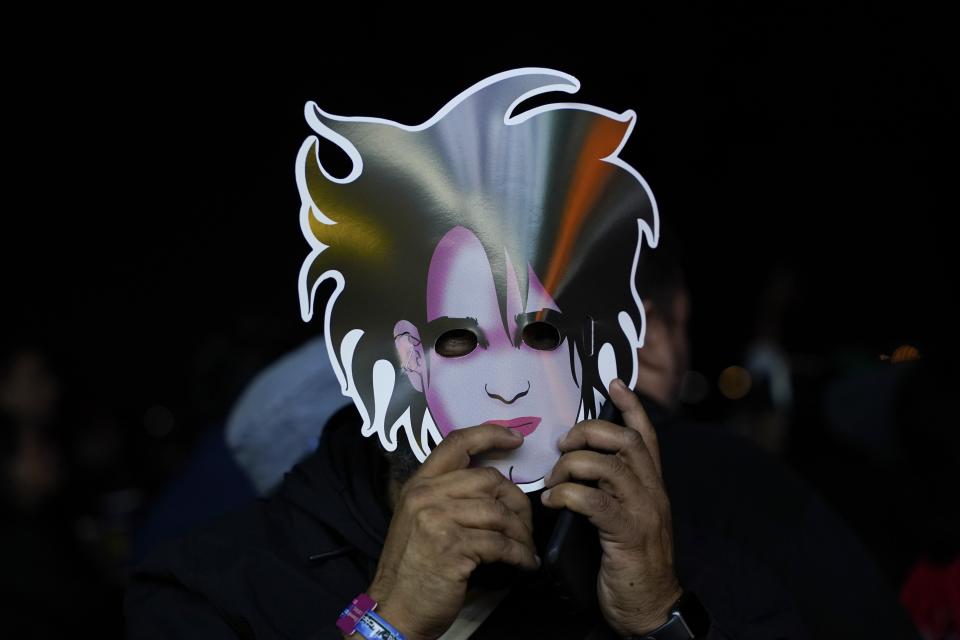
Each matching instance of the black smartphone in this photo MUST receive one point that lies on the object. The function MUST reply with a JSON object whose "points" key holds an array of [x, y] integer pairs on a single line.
{"points": [[573, 551]]}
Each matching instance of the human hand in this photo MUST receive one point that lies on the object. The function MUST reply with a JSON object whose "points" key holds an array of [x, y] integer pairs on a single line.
{"points": [[448, 519], [637, 584]]}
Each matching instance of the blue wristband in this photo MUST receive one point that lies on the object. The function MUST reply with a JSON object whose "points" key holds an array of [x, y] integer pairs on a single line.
{"points": [[373, 627]]}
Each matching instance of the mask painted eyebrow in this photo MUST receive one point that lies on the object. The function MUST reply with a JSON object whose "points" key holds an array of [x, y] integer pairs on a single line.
{"points": [[540, 315], [439, 326]]}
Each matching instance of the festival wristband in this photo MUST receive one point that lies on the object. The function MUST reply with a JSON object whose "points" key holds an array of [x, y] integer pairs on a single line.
{"points": [[359, 617]]}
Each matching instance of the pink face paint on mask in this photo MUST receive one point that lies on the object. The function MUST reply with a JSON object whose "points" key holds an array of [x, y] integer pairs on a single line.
{"points": [[530, 390]]}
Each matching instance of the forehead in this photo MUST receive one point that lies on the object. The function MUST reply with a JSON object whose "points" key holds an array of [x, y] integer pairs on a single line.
{"points": [[460, 282]]}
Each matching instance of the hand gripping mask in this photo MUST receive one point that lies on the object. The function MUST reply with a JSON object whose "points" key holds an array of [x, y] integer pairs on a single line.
{"points": [[484, 265]]}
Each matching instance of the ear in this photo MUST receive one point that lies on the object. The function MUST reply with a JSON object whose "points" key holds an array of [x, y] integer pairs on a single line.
{"points": [[655, 358], [655, 354], [410, 353]]}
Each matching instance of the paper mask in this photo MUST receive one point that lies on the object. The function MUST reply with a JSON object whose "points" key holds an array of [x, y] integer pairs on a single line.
{"points": [[484, 265]]}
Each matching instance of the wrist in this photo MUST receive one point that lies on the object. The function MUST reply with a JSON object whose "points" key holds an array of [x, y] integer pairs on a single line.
{"points": [[365, 617], [686, 620], [393, 612], [640, 627], [395, 618]]}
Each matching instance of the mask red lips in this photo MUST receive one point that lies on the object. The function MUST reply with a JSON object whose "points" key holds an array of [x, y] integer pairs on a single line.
{"points": [[524, 425]]}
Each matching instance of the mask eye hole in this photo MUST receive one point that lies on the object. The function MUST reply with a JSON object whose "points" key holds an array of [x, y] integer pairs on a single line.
{"points": [[541, 336], [455, 343]]}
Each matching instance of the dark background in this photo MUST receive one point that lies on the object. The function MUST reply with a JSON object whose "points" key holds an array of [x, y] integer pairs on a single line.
{"points": [[805, 162]]}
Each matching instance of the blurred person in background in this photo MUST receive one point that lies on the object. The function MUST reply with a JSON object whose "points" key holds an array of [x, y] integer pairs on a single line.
{"points": [[50, 581]]}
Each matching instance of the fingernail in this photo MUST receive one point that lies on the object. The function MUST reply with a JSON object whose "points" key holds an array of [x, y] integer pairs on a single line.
{"points": [[537, 558], [545, 496], [513, 433], [618, 383]]}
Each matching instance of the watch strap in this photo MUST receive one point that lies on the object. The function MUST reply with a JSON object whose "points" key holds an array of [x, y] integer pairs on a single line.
{"points": [[688, 621]]}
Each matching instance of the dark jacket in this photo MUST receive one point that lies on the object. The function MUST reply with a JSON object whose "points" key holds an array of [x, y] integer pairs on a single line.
{"points": [[763, 553]]}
